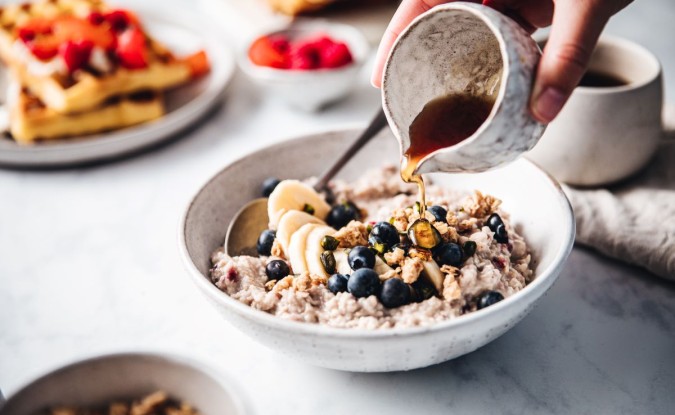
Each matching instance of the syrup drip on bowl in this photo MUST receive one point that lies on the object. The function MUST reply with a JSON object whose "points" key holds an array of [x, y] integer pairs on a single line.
{"points": [[443, 122]]}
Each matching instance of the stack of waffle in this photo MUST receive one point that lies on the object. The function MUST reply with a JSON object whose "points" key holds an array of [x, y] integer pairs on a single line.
{"points": [[79, 67]]}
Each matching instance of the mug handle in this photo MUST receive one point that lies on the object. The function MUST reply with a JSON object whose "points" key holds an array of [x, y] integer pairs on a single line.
{"points": [[669, 121]]}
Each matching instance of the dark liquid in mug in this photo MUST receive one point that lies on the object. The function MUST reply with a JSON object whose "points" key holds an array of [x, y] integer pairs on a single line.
{"points": [[596, 79], [443, 122]]}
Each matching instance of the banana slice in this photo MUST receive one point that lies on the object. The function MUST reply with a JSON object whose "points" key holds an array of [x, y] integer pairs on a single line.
{"points": [[342, 262], [434, 274], [294, 195], [290, 222], [298, 246], [314, 250], [381, 267]]}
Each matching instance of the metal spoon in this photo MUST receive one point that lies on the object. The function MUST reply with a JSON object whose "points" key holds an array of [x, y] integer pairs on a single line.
{"points": [[252, 219]]}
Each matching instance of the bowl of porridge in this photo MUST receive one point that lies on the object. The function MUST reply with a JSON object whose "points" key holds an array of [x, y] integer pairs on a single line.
{"points": [[363, 278]]}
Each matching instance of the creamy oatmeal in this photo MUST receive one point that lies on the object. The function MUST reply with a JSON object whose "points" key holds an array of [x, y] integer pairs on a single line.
{"points": [[370, 261]]}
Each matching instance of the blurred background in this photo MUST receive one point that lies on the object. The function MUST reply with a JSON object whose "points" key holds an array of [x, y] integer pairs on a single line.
{"points": [[646, 22]]}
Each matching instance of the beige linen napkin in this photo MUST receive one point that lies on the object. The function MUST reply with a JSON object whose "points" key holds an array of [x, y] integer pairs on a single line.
{"points": [[633, 221]]}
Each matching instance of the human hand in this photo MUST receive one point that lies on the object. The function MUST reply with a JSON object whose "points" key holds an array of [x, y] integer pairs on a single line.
{"points": [[575, 28]]}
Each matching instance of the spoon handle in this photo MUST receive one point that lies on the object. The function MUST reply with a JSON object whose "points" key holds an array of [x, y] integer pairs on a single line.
{"points": [[375, 126]]}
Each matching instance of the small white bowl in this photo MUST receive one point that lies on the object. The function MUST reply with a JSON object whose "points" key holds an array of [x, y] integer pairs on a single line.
{"points": [[310, 90], [100, 380], [538, 207]]}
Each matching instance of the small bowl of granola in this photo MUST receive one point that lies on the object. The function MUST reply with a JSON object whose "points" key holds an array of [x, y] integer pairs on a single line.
{"points": [[363, 278], [128, 384]]}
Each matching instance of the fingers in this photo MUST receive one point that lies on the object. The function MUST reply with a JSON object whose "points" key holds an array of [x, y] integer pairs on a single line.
{"points": [[576, 26], [406, 13]]}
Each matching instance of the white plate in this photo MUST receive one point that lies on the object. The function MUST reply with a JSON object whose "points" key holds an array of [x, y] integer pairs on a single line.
{"points": [[183, 32]]}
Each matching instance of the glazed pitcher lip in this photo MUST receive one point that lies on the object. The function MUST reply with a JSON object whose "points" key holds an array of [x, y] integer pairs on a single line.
{"points": [[481, 12]]}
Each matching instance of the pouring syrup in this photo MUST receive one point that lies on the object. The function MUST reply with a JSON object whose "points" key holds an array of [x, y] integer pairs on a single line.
{"points": [[443, 122]]}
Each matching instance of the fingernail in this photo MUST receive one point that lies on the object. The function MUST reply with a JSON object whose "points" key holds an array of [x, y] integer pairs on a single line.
{"points": [[548, 104]]}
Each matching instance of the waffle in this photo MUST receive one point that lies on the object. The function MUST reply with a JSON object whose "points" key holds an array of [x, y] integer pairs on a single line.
{"points": [[32, 121], [294, 7], [84, 88]]}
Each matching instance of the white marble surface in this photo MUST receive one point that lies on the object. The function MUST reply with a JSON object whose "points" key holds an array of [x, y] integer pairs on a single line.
{"points": [[89, 264]]}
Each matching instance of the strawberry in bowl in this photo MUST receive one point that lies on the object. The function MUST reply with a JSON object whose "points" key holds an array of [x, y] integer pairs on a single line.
{"points": [[309, 65], [316, 52]]}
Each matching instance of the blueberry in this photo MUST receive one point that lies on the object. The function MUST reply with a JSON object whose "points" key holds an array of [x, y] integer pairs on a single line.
{"points": [[469, 248], [449, 254], [394, 293], [268, 186], [277, 269], [340, 215], [363, 283], [265, 241], [439, 212], [361, 257], [493, 221], [423, 289], [386, 232], [501, 235], [337, 283], [488, 298], [496, 225]]}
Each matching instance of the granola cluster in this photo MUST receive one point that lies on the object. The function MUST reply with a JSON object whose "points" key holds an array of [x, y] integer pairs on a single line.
{"points": [[302, 282], [157, 403], [456, 227], [354, 234]]}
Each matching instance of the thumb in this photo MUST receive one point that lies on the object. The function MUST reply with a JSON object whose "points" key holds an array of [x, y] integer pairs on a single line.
{"points": [[575, 30]]}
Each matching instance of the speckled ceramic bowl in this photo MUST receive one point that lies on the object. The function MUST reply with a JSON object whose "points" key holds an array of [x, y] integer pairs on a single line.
{"points": [[464, 48], [538, 207], [100, 380]]}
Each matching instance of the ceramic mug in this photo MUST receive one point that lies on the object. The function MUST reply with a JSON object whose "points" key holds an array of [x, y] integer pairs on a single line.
{"points": [[606, 133]]}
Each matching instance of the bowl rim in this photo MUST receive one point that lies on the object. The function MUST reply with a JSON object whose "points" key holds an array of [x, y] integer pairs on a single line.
{"points": [[215, 294], [225, 382], [358, 45]]}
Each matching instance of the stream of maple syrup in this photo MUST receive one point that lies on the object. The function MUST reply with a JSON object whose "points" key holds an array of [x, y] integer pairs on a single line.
{"points": [[443, 122]]}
